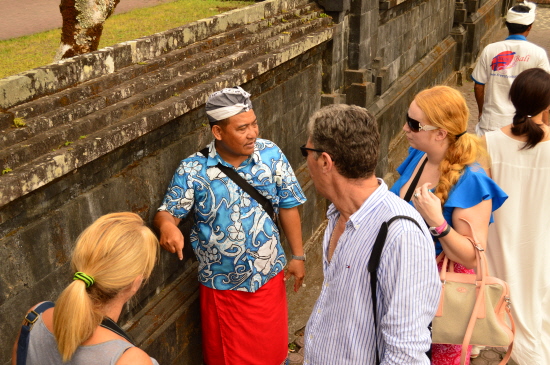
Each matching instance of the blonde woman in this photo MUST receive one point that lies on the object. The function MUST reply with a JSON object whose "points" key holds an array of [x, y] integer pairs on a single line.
{"points": [[111, 259], [441, 178]]}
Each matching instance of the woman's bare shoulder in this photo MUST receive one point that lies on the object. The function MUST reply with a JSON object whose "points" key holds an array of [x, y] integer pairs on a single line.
{"points": [[134, 356]]}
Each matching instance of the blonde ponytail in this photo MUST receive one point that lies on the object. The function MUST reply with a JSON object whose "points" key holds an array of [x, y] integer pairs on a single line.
{"points": [[74, 319], [115, 250], [446, 108]]}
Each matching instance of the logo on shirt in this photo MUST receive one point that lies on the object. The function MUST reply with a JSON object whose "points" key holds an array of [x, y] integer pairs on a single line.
{"points": [[507, 59]]}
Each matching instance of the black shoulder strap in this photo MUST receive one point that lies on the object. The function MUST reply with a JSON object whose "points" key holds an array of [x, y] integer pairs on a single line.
{"points": [[373, 264], [253, 192], [28, 323], [111, 325], [409, 193]]}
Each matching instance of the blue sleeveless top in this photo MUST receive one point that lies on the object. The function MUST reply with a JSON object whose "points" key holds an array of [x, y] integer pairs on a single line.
{"points": [[472, 188]]}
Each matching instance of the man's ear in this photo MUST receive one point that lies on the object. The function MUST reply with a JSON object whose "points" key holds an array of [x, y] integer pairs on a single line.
{"points": [[326, 162], [216, 131]]}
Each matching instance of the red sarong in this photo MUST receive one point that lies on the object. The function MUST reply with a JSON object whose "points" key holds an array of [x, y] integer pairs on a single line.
{"points": [[245, 328]]}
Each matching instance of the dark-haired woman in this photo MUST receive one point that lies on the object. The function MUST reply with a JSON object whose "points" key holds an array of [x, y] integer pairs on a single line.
{"points": [[441, 178], [519, 249], [111, 259]]}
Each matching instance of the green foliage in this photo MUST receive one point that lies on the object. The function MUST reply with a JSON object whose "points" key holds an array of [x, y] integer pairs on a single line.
{"points": [[323, 15], [28, 52], [82, 137], [19, 122], [7, 170]]}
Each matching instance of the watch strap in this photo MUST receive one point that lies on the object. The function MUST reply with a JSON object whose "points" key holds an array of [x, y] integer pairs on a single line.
{"points": [[301, 258], [445, 232]]}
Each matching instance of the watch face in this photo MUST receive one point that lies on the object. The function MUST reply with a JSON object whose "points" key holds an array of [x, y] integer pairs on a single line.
{"points": [[433, 231]]}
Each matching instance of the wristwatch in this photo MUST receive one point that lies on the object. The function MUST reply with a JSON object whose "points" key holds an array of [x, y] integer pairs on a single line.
{"points": [[438, 231], [301, 258]]}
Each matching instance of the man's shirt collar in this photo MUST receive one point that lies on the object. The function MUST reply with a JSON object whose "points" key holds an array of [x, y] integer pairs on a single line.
{"points": [[516, 37], [214, 157], [368, 205]]}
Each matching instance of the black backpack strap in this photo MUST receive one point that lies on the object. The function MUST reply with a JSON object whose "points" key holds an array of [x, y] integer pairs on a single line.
{"points": [[204, 152], [372, 267], [28, 323], [243, 184], [111, 325]]}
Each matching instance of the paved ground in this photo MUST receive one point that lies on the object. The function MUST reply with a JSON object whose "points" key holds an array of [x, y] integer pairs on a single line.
{"points": [[24, 17]]}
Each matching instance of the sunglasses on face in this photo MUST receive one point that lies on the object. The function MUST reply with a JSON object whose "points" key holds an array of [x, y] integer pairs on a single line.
{"points": [[304, 150], [415, 126]]}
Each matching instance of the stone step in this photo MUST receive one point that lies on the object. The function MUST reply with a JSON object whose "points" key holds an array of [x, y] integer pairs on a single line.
{"points": [[74, 142], [66, 125]]}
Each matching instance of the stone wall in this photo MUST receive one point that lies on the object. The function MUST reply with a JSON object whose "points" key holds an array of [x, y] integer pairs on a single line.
{"points": [[104, 132]]}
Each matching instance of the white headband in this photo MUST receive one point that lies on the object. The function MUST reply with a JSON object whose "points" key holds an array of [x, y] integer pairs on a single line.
{"points": [[522, 18], [227, 111]]}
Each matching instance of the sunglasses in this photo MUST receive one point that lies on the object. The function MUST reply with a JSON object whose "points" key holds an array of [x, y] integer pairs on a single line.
{"points": [[415, 126], [304, 150]]}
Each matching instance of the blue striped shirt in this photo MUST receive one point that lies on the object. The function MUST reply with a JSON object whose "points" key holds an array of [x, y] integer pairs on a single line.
{"points": [[340, 329]]}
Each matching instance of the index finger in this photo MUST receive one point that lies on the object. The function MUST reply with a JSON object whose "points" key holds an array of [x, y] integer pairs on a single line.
{"points": [[298, 283]]}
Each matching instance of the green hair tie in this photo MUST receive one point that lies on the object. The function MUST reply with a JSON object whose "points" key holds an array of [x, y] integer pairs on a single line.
{"points": [[85, 278]]}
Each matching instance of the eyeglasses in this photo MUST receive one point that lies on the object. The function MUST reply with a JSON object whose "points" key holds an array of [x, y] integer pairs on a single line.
{"points": [[415, 125], [304, 150]]}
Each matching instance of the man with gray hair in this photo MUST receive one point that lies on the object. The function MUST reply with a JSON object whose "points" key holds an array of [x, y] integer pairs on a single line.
{"points": [[346, 326], [500, 63], [234, 188]]}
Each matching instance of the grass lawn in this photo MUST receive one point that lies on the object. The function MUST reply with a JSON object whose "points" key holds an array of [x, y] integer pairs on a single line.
{"points": [[28, 52]]}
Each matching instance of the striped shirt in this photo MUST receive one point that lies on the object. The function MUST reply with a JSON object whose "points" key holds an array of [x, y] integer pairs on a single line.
{"points": [[340, 329]]}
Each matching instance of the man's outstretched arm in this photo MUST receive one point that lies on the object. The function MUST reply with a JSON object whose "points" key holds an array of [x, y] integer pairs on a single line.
{"points": [[292, 226], [171, 238]]}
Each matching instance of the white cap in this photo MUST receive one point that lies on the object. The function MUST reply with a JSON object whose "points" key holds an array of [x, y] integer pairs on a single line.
{"points": [[522, 18]]}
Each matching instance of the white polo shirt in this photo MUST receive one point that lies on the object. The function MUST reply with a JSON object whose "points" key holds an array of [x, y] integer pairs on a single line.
{"points": [[497, 67]]}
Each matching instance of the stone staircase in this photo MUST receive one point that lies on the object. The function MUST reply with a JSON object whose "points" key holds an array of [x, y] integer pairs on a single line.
{"points": [[59, 117]]}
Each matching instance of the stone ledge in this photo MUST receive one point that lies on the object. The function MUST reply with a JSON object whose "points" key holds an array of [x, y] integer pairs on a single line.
{"points": [[53, 78], [58, 163], [88, 115]]}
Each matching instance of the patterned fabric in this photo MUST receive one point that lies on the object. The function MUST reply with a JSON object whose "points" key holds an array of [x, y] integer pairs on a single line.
{"points": [[341, 327], [472, 188], [235, 241]]}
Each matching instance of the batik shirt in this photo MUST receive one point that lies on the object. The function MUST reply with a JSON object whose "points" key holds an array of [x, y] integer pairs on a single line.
{"points": [[236, 242]]}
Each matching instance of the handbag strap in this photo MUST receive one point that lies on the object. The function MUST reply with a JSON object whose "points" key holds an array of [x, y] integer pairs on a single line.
{"points": [[410, 190], [243, 184], [372, 267], [483, 272], [24, 335]]}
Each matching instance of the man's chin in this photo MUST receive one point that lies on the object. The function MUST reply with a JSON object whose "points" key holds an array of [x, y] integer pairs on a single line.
{"points": [[249, 148]]}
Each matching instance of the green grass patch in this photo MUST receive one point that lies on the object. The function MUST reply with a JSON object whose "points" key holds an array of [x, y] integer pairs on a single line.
{"points": [[28, 52]]}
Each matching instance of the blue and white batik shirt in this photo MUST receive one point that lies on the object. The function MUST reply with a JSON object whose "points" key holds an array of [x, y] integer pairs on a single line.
{"points": [[235, 241]]}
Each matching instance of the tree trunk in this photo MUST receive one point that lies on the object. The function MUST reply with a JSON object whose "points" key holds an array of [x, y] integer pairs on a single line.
{"points": [[82, 25]]}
